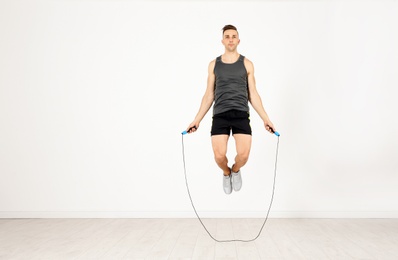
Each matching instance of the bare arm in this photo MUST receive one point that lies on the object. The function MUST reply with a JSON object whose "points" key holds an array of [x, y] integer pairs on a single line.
{"points": [[207, 100], [254, 97]]}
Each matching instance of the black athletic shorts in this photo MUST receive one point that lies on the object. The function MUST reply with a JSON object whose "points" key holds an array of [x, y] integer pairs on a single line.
{"points": [[235, 120]]}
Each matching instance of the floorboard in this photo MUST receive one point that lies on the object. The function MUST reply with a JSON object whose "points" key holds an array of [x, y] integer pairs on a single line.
{"points": [[187, 239]]}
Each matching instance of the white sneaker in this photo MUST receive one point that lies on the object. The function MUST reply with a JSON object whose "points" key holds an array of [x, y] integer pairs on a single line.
{"points": [[226, 180], [236, 180]]}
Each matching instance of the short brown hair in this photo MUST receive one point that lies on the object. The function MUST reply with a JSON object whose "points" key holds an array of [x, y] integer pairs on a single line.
{"points": [[229, 27]]}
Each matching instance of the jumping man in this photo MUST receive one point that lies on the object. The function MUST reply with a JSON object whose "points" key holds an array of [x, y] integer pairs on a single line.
{"points": [[231, 85]]}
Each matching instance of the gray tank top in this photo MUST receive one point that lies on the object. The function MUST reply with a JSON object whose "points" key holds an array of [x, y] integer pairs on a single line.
{"points": [[231, 89]]}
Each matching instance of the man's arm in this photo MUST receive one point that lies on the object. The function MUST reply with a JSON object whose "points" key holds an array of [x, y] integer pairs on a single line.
{"points": [[255, 98], [207, 100]]}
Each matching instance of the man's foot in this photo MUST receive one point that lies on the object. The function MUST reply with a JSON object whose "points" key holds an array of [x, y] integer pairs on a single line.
{"points": [[236, 180], [227, 184]]}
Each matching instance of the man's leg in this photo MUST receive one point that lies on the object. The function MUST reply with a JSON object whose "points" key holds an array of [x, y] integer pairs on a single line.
{"points": [[243, 145], [219, 143]]}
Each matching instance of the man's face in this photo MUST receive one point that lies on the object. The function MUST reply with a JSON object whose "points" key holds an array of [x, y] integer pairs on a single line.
{"points": [[230, 40]]}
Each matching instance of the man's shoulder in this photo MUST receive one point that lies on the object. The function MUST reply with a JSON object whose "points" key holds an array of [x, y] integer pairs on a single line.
{"points": [[212, 66], [247, 61], [212, 63], [248, 65]]}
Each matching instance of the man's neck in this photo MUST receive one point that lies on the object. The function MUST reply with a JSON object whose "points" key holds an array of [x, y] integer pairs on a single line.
{"points": [[230, 56]]}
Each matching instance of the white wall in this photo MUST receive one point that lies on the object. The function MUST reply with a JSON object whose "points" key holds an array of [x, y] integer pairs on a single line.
{"points": [[94, 95]]}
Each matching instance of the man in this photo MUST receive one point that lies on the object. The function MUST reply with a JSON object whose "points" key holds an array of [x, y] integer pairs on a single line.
{"points": [[231, 85]]}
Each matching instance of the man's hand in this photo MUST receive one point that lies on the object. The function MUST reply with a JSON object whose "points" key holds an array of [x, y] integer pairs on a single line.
{"points": [[269, 127], [193, 127]]}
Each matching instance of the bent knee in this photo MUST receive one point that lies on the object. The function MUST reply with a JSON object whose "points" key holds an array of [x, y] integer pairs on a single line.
{"points": [[219, 157], [244, 157]]}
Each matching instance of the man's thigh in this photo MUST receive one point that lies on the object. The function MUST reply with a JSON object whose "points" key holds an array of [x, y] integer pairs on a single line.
{"points": [[243, 143], [219, 143]]}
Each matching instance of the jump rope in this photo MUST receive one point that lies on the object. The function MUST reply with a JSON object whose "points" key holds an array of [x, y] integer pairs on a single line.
{"points": [[193, 206]]}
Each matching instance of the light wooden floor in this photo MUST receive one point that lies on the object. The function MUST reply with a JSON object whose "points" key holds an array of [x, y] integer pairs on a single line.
{"points": [[186, 239]]}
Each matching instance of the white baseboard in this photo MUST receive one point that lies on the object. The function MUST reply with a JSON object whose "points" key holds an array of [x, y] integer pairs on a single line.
{"points": [[191, 214]]}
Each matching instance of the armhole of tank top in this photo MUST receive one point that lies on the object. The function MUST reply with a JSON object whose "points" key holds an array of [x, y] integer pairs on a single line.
{"points": [[218, 59], [242, 58]]}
